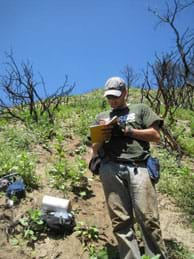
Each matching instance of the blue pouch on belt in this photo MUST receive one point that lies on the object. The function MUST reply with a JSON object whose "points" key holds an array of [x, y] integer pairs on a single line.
{"points": [[153, 166], [16, 188]]}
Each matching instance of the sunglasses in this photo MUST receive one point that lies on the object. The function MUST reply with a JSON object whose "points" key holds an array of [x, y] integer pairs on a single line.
{"points": [[109, 97]]}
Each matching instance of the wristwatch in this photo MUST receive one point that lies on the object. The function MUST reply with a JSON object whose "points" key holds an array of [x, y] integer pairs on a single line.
{"points": [[128, 130]]}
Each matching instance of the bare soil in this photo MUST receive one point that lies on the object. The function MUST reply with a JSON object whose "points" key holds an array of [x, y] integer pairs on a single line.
{"points": [[92, 211]]}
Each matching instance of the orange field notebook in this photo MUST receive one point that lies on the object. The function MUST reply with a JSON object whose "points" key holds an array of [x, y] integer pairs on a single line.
{"points": [[96, 131]]}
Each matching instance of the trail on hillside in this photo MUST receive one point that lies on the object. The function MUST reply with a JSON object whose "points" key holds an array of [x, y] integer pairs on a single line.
{"points": [[92, 211]]}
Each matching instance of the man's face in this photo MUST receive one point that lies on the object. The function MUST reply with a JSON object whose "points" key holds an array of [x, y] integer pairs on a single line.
{"points": [[117, 102]]}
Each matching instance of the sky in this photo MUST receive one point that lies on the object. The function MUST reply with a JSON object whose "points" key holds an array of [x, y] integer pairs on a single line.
{"points": [[87, 40]]}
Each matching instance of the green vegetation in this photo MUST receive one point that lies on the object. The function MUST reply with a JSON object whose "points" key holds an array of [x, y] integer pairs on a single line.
{"points": [[30, 227], [32, 224], [87, 235], [148, 257], [178, 182], [177, 251], [66, 176], [183, 129], [15, 155], [67, 168], [104, 253]]}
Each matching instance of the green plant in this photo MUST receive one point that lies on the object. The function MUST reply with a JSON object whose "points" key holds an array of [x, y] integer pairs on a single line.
{"points": [[67, 176], [59, 175], [59, 145], [21, 162], [187, 144], [177, 181], [184, 114], [176, 250], [32, 224], [15, 155], [42, 130], [25, 166], [150, 257], [87, 234], [17, 138], [192, 127], [80, 150]]}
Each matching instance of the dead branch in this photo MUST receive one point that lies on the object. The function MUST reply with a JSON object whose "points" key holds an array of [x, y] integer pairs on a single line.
{"points": [[21, 91]]}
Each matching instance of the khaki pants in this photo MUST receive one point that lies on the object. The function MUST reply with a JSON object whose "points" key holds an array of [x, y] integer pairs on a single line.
{"points": [[130, 193]]}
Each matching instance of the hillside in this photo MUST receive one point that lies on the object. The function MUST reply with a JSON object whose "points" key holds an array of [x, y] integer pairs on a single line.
{"points": [[57, 166]]}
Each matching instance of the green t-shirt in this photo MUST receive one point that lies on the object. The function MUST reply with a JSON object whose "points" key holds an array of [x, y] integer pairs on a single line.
{"points": [[125, 148]]}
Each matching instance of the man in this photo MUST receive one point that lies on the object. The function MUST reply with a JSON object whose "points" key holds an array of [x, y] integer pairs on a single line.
{"points": [[129, 191]]}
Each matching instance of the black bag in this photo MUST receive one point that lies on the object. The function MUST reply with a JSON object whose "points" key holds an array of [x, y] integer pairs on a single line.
{"points": [[94, 164], [59, 221], [153, 166]]}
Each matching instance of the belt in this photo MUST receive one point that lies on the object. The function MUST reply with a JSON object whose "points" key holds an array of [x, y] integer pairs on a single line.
{"points": [[134, 163]]}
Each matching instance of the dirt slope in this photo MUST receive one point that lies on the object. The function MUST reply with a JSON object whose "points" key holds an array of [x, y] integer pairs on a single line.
{"points": [[92, 211]]}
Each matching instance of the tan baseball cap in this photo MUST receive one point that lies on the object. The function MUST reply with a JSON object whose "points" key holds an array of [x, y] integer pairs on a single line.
{"points": [[114, 86]]}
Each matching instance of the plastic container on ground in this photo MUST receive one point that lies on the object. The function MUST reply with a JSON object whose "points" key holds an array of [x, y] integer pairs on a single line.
{"points": [[50, 203]]}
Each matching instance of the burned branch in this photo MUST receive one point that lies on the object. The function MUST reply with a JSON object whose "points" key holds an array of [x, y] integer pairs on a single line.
{"points": [[20, 89], [130, 76], [184, 50], [173, 74]]}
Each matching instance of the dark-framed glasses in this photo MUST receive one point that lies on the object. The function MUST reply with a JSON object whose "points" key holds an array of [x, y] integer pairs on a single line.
{"points": [[109, 97]]}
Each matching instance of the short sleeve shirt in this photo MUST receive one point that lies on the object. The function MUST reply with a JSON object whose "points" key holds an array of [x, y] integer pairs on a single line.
{"points": [[125, 148]]}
